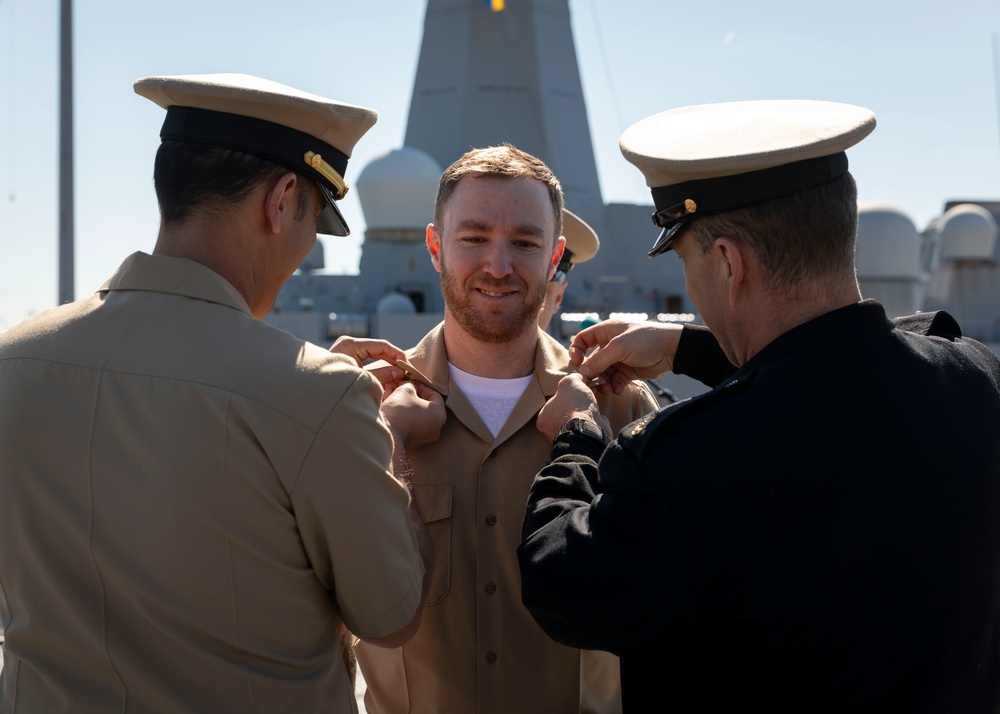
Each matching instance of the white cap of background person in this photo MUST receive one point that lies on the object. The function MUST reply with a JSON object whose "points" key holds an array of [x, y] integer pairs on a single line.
{"points": [[582, 244], [711, 158], [307, 133]]}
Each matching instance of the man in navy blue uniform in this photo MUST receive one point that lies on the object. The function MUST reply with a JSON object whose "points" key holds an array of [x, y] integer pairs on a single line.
{"points": [[821, 531]]}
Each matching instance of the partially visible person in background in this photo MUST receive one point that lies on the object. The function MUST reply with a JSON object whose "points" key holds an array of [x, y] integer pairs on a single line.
{"points": [[582, 244]]}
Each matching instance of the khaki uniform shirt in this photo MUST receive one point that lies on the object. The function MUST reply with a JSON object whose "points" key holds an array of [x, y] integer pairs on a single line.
{"points": [[193, 504], [478, 649]]}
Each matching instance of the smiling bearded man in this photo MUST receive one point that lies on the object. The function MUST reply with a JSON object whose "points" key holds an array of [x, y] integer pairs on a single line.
{"points": [[496, 240]]}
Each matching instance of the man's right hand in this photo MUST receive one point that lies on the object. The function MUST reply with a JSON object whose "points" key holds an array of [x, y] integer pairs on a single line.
{"points": [[573, 398], [625, 351], [415, 413]]}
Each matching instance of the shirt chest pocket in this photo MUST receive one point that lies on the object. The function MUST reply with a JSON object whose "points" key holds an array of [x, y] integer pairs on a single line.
{"points": [[435, 502]]}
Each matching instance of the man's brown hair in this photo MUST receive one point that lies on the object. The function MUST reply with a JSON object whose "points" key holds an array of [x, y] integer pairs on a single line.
{"points": [[806, 236], [188, 176], [506, 161]]}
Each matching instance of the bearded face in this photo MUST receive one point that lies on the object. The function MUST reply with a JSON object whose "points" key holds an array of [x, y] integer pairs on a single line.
{"points": [[495, 249], [489, 309]]}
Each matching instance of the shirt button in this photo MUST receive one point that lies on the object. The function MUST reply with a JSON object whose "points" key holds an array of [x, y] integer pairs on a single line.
{"points": [[491, 520], [491, 657], [491, 588]]}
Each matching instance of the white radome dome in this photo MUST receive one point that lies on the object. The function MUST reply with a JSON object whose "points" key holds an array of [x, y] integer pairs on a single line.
{"points": [[395, 304], [397, 189], [967, 232], [888, 243]]}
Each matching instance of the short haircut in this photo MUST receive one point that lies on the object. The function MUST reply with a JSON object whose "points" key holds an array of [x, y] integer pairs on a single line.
{"points": [[189, 176], [805, 236], [504, 160]]}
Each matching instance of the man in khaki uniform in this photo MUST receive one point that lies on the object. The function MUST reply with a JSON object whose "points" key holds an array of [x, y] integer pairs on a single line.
{"points": [[496, 240], [196, 503], [582, 244]]}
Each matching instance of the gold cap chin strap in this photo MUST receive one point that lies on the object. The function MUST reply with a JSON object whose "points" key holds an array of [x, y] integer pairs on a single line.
{"points": [[327, 172]]}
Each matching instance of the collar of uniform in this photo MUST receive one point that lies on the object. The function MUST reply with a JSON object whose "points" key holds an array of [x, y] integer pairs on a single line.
{"points": [[551, 363], [175, 276], [826, 334], [431, 358]]}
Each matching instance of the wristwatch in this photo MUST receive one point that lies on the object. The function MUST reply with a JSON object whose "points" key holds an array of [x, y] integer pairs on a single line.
{"points": [[585, 427]]}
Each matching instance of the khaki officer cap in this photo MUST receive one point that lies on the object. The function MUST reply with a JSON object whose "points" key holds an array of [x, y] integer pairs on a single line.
{"points": [[710, 158], [310, 134], [581, 241]]}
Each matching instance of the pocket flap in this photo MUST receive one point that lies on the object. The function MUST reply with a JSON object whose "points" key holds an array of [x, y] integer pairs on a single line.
{"points": [[434, 501]]}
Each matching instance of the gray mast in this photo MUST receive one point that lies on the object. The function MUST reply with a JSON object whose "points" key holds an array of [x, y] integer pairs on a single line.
{"points": [[66, 288], [486, 77]]}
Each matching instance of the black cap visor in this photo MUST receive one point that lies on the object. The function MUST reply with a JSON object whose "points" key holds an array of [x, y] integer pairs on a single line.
{"points": [[331, 221], [679, 203]]}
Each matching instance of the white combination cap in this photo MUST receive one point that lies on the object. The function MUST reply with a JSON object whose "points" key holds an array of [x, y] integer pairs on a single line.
{"points": [[582, 243], [305, 132], [711, 158]]}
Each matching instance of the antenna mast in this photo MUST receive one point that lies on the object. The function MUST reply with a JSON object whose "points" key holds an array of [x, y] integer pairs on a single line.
{"points": [[996, 75], [66, 289]]}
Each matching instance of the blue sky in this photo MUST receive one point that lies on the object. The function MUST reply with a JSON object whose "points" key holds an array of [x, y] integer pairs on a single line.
{"points": [[926, 69]]}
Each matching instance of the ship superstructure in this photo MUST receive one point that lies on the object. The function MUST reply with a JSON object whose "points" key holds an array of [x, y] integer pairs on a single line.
{"points": [[485, 77]]}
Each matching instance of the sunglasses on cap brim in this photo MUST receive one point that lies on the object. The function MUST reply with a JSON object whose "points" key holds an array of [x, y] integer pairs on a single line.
{"points": [[671, 220]]}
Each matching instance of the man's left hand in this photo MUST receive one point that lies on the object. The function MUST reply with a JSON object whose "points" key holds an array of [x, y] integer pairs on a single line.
{"points": [[361, 350]]}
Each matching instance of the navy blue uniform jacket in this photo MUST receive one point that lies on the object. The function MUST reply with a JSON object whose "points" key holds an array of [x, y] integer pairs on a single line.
{"points": [[819, 533]]}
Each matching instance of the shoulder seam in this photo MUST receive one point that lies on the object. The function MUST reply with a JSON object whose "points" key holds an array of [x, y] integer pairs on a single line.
{"points": [[651, 423]]}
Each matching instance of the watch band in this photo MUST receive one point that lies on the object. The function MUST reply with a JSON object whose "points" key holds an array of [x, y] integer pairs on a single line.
{"points": [[585, 427]]}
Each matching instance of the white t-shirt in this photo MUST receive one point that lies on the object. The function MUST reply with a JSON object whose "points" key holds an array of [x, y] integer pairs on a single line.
{"points": [[493, 399]]}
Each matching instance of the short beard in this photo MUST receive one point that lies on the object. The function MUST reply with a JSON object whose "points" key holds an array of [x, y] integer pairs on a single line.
{"points": [[493, 329]]}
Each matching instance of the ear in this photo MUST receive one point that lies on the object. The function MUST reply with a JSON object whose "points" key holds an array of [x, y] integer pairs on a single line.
{"points": [[279, 204], [433, 241], [733, 259], [556, 255], [559, 296]]}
